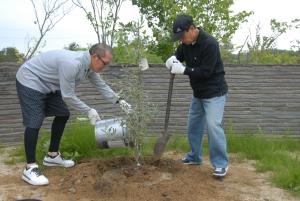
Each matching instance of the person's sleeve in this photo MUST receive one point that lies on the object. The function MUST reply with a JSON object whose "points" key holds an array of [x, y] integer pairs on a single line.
{"points": [[179, 53], [209, 60], [67, 75], [103, 88]]}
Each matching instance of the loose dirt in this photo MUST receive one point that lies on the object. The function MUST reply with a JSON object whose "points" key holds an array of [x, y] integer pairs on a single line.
{"points": [[119, 179]]}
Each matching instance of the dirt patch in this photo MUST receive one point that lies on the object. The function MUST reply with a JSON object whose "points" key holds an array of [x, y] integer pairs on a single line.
{"points": [[119, 179]]}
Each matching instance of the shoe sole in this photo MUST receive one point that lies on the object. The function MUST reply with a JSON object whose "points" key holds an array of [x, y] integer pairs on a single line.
{"points": [[56, 164], [221, 175], [33, 183], [192, 163]]}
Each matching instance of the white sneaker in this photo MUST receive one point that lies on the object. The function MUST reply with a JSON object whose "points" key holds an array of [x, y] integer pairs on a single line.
{"points": [[34, 176], [57, 161]]}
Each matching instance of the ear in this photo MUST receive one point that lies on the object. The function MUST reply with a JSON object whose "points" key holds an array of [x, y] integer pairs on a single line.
{"points": [[193, 26]]}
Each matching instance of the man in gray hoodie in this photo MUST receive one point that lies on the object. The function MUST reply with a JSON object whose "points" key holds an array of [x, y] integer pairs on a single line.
{"points": [[46, 87]]}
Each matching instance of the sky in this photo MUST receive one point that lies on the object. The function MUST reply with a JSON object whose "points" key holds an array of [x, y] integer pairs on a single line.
{"points": [[17, 27]]}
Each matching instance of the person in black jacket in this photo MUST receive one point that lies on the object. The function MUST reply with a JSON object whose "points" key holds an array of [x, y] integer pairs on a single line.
{"points": [[203, 64]]}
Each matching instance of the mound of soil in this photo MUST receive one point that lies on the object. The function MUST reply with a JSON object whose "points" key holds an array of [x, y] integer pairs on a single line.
{"points": [[120, 179]]}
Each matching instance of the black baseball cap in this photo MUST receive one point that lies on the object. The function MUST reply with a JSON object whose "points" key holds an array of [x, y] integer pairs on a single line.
{"points": [[181, 24]]}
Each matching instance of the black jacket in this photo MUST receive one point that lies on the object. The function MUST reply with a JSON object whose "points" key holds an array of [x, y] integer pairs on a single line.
{"points": [[204, 66]]}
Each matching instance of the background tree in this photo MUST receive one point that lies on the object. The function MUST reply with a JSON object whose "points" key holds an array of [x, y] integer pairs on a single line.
{"points": [[263, 42], [128, 39], [296, 45], [47, 14], [11, 54], [214, 16], [75, 47], [262, 48], [103, 16], [227, 53]]}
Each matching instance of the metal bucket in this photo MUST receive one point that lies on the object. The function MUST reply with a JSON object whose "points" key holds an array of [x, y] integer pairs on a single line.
{"points": [[111, 133]]}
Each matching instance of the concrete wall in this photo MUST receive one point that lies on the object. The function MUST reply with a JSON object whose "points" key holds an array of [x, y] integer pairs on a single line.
{"points": [[261, 97]]}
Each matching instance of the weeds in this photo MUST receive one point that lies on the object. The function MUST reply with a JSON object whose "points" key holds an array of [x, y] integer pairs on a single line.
{"points": [[278, 155]]}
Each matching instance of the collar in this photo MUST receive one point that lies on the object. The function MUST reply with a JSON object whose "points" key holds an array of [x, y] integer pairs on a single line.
{"points": [[202, 36]]}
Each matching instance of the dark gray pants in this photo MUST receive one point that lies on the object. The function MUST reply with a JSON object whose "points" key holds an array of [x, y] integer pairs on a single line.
{"points": [[35, 107]]}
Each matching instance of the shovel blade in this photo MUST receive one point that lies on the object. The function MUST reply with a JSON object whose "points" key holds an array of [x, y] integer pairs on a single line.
{"points": [[160, 146]]}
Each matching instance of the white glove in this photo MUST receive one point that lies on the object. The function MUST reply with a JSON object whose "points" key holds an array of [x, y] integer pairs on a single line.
{"points": [[93, 116], [126, 107], [178, 68], [170, 62]]}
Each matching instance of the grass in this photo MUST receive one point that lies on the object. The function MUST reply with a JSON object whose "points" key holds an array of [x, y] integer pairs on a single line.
{"points": [[279, 155]]}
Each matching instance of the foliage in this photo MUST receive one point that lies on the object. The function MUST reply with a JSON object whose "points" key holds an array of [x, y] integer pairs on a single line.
{"points": [[128, 41], [214, 16], [75, 47], [226, 52], [262, 48], [261, 42], [131, 41], [143, 111], [11, 54], [270, 57], [126, 55], [296, 45]]}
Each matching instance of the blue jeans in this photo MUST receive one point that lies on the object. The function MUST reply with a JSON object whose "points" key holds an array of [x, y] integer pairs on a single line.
{"points": [[207, 112]]}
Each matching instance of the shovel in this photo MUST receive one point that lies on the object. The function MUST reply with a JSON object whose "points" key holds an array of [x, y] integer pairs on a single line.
{"points": [[164, 138]]}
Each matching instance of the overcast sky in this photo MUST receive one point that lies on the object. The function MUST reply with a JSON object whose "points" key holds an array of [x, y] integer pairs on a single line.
{"points": [[16, 23]]}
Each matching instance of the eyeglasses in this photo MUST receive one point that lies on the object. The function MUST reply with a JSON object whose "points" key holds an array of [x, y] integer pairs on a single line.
{"points": [[104, 62]]}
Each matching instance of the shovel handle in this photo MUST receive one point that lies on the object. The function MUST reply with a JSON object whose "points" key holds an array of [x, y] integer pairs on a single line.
{"points": [[172, 76], [163, 139]]}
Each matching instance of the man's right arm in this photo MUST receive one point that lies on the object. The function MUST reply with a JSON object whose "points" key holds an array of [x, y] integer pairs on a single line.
{"points": [[179, 53], [67, 75], [103, 88]]}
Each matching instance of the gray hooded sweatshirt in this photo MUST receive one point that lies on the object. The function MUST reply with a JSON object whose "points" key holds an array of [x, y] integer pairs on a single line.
{"points": [[63, 70]]}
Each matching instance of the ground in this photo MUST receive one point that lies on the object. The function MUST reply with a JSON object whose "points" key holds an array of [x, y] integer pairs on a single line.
{"points": [[119, 179]]}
